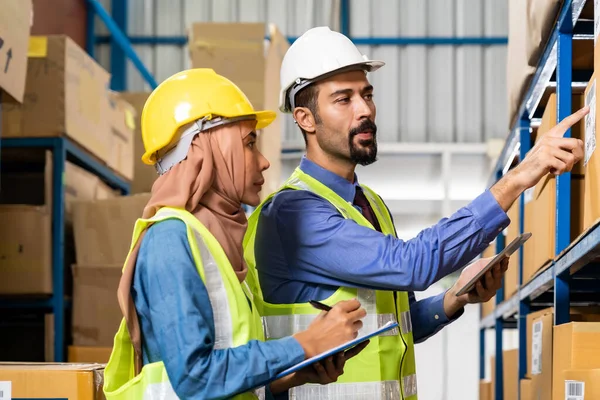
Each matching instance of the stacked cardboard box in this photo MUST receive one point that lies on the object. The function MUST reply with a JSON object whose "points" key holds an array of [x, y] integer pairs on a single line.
{"points": [[576, 346], [15, 24], [488, 307], [591, 159], [121, 140], [541, 344], [66, 94], [510, 374], [485, 390], [103, 231], [49, 380], [225, 46], [144, 175], [25, 218], [540, 201]]}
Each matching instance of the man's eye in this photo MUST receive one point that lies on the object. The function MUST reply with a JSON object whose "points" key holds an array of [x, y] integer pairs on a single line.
{"points": [[343, 100], [369, 96]]}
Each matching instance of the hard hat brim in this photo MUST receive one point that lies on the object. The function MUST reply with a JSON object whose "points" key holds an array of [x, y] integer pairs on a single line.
{"points": [[263, 119]]}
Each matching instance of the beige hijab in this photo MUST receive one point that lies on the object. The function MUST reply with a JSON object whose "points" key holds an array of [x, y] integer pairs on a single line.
{"points": [[209, 183]]}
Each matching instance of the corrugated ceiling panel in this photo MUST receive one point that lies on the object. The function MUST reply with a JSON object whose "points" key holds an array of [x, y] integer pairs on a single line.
{"points": [[424, 93]]}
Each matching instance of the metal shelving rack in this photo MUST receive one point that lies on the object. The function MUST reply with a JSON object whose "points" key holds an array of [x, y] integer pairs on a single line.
{"points": [[63, 150], [570, 278]]}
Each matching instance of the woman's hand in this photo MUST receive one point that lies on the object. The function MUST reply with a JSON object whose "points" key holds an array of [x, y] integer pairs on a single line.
{"points": [[323, 372]]}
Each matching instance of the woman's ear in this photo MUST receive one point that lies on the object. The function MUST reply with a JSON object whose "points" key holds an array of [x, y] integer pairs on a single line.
{"points": [[305, 119]]}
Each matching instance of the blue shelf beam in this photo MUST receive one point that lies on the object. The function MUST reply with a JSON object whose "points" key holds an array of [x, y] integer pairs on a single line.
{"points": [[366, 41], [121, 40]]}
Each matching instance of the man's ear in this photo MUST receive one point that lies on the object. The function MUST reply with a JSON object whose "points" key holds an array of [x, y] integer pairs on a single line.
{"points": [[305, 119]]}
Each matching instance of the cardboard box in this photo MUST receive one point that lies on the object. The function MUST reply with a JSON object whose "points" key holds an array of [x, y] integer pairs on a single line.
{"points": [[65, 93], [81, 354], [576, 346], [15, 24], [96, 311], [224, 47], [518, 69], [61, 17], [510, 370], [581, 384], [26, 259], [485, 390], [541, 16], [143, 175], [50, 380], [103, 228], [122, 120], [540, 326], [511, 277], [540, 220], [525, 390], [592, 158]]}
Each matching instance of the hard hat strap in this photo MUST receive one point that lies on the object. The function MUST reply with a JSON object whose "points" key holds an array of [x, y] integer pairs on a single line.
{"points": [[300, 84], [179, 152]]}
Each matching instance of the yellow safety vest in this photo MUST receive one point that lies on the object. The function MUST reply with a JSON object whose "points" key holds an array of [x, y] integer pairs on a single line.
{"points": [[236, 322], [387, 365]]}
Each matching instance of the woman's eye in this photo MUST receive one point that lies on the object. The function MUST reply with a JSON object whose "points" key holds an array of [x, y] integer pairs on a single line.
{"points": [[251, 145]]}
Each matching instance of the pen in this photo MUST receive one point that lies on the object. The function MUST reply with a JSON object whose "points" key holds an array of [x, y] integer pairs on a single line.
{"points": [[319, 306]]}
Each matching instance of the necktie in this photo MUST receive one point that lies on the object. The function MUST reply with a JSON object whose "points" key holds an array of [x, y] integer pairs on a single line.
{"points": [[361, 200]]}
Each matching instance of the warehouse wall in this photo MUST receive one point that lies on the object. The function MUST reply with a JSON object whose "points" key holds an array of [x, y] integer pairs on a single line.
{"points": [[424, 93]]}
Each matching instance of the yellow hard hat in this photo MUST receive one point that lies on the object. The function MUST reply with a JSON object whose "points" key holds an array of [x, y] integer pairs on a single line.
{"points": [[190, 96]]}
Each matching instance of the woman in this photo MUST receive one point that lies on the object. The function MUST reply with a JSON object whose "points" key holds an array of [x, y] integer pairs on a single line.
{"points": [[190, 329]]}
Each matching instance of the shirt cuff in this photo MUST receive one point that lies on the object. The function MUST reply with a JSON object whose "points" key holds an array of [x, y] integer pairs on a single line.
{"points": [[438, 314], [490, 216]]}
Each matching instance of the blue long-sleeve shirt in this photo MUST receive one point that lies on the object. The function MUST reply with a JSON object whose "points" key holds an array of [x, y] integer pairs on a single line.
{"points": [[305, 249], [177, 326]]}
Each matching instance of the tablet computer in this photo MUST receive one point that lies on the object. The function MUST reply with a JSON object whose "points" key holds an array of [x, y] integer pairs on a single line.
{"points": [[507, 252]]}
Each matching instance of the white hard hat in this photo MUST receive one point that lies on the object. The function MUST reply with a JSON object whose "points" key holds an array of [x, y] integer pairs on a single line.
{"points": [[316, 54]]}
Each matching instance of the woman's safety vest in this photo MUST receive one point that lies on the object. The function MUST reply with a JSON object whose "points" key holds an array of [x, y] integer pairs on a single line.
{"points": [[386, 368], [236, 321]]}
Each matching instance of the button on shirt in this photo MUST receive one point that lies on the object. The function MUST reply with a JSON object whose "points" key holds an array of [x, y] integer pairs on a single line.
{"points": [[305, 249]]}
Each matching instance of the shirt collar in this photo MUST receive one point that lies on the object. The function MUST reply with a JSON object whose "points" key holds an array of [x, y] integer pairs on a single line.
{"points": [[341, 186]]}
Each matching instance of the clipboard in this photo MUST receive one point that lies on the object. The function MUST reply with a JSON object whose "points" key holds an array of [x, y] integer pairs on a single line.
{"points": [[507, 252], [343, 347]]}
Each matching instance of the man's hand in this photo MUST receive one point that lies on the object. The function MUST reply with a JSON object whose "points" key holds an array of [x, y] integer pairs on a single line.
{"points": [[322, 372], [551, 154], [484, 290]]}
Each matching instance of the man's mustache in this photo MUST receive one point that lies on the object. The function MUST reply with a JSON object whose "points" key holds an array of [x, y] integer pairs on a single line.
{"points": [[366, 126]]}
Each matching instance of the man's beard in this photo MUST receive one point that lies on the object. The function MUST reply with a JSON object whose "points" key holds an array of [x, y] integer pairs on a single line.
{"points": [[367, 152]]}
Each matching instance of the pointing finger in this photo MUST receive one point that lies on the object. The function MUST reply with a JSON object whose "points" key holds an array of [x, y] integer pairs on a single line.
{"points": [[568, 122]]}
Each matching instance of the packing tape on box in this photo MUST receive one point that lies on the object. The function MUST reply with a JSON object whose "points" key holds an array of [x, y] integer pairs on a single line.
{"points": [[38, 47]]}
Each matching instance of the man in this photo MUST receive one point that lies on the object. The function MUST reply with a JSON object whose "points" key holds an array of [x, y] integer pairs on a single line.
{"points": [[325, 237]]}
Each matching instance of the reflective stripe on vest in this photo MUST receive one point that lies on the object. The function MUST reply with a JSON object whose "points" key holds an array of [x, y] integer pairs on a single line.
{"points": [[215, 287], [280, 326], [222, 287]]}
